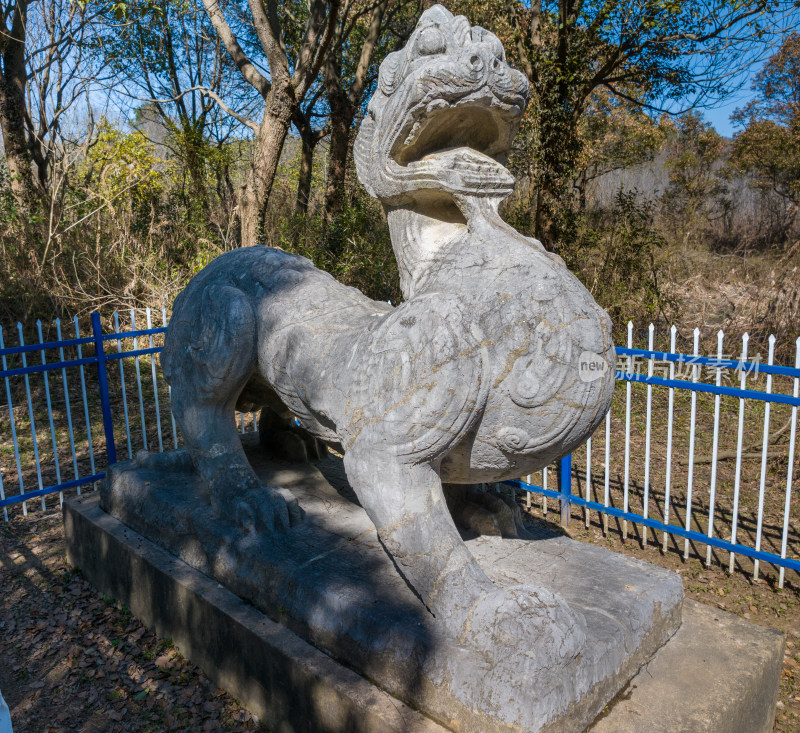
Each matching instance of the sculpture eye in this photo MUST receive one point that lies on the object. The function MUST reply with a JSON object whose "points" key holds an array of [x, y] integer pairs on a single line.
{"points": [[430, 41]]}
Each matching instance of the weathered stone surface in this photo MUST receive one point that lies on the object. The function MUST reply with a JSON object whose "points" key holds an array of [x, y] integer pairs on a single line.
{"points": [[476, 377], [718, 673], [329, 580]]}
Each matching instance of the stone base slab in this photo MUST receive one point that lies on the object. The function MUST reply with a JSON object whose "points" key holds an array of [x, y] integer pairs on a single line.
{"points": [[286, 682], [717, 673], [330, 582]]}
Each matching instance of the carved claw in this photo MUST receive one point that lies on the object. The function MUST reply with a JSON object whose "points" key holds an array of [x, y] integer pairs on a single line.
{"points": [[259, 509], [527, 616]]}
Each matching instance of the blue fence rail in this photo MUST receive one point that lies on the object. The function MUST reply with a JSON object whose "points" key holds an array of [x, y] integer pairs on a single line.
{"points": [[99, 360], [89, 373], [41, 425]]}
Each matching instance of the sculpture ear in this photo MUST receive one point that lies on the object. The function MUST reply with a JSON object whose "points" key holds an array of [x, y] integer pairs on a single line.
{"points": [[460, 29], [362, 150], [389, 71]]}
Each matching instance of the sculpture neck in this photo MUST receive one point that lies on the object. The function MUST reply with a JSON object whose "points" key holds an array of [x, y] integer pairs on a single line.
{"points": [[426, 232]]}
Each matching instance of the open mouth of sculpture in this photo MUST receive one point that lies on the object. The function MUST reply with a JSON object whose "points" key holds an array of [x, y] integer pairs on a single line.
{"points": [[474, 125]]}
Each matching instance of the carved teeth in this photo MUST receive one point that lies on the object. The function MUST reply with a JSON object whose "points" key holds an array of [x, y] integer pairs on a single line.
{"points": [[436, 104], [413, 133]]}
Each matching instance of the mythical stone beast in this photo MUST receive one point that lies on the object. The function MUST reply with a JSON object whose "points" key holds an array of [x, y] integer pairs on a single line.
{"points": [[475, 377]]}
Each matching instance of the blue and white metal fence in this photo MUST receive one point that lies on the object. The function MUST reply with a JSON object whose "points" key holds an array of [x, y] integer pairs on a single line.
{"points": [[82, 415], [701, 524], [66, 413]]}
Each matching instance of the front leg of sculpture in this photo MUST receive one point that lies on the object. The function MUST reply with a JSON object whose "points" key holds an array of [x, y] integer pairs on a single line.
{"points": [[407, 505], [208, 358]]}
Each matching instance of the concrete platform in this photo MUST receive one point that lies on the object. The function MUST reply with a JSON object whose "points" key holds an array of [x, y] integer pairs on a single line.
{"points": [[286, 682], [718, 673]]}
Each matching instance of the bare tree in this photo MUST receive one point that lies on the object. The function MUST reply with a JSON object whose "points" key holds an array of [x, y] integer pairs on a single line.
{"points": [[310, 136], [169, 57], [347, 74], [292, 66], [669, 56], [45, 70]]}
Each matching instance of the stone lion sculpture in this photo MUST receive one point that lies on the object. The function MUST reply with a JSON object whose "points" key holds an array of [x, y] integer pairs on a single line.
{"points": [[475, 377]]}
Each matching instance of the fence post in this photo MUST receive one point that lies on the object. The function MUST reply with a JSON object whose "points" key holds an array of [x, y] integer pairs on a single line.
{"points": [[105, 403], [565, 487]]}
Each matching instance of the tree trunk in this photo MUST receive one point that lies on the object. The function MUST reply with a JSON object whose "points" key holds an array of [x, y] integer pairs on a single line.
{"points": [[341, 117], [196, 169], [13, 81], [15, 144], [306, 170], [254, 194]]}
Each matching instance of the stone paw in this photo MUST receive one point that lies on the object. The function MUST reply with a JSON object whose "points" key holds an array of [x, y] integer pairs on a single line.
{"points": [[265, 509], [506, 515], [525, 618], [478, 511]]}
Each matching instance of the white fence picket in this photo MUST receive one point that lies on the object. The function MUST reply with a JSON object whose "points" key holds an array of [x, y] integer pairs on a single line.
{"points": [[790, 468], [673, 333], [625, 501], [86, 416], [123, 389], [138, 380], [762, 483], [712, 492], [155, 383], [588, 486], [737, 481], [169, 387], [56, 462], [13, 426], [692, 425], [544, 486], [30, 414], [648, 423], [65, 385]]}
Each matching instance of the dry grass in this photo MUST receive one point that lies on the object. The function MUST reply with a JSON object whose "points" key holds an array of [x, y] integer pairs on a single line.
{"points": [[744, 292]]}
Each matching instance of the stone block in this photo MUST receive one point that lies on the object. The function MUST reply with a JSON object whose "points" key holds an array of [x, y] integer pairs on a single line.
{"points": [[718, 673], [291, 686]]}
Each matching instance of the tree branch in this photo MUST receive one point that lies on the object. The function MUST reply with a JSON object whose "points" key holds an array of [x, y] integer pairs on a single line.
{"points": [[250, 73]]}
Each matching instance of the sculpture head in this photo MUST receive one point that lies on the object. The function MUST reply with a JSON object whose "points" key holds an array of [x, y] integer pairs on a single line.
{"points": [[444, 114]]}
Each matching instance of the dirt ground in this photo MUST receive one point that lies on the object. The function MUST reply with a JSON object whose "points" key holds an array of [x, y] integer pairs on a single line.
{"points": [[75, 661], [72, 660]]}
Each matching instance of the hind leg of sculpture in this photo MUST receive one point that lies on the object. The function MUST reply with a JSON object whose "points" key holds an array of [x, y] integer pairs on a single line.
{"points": [[477, 510], [208, 369], [280, 436], [407, 505]]}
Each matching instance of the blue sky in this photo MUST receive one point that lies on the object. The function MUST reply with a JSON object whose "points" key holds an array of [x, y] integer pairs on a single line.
{"points": [[719, 116]]}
